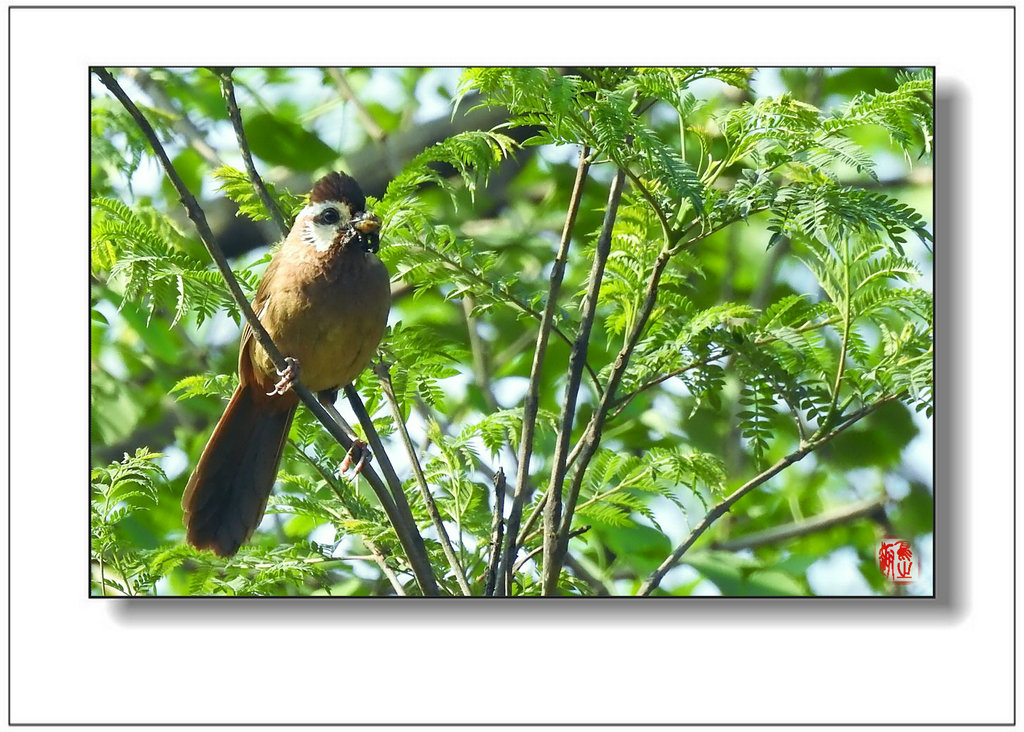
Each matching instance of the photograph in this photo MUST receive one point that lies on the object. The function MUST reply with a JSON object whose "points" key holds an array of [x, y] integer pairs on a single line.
{"points": [[661, 333]]}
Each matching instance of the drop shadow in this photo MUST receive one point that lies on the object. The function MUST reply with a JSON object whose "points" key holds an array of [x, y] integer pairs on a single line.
{"points": [[951, 540]]}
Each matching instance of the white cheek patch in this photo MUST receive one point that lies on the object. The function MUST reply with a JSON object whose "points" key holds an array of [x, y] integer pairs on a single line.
{"points": [[319, 236], [322, 236]]}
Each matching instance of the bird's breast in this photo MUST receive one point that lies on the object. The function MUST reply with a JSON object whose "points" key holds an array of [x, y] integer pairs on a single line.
{"points": [[330, 318]]}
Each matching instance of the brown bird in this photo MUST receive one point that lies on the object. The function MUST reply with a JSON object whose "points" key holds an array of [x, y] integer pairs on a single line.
{"points": [[324, 300]]}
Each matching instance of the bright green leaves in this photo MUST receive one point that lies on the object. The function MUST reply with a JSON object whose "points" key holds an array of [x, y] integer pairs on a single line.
{"points": [[116, 144], [783, 131], [745, 355], [427, 254], [757, 407], [601, 108], [771, 126], [126, 485], [906, 113], [147, 259], [423, 357], [634, 249], [236, 185], [117, 491], [669, 84], [461, 499], [829, 213], [617, 487], [474, 155]]}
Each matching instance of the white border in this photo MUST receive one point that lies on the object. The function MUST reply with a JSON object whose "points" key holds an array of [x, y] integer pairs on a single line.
{"points": [[92, 661]]}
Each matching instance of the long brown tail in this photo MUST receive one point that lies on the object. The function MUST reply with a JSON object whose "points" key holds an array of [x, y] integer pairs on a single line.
{"points": [[227, 494]]}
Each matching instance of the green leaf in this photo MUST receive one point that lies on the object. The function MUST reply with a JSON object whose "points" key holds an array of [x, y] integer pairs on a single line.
{"points": [[281, 142], [641, 548], [739, 577]]}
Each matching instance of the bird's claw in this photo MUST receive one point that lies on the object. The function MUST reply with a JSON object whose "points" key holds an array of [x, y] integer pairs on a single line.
{"points": [[288, 377], [359, 454]]}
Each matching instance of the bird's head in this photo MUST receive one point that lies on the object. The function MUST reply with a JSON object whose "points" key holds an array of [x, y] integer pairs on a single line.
{"points": [[337, 214]]}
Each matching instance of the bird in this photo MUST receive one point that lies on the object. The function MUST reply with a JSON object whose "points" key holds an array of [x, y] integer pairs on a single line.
{"points": [[324, 299]]}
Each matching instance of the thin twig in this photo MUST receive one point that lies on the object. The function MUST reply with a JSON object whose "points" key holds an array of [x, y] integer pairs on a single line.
{"points": [[527, 531], [227, 88], [497, 529], [476, 345], [621, 403], [373, 129], [531, 403], [403, 512], [596, 584], [813, 525], [378, 555], [508, 297], [415, 550], [720, 508], [577, 358], [539, 549], [384, 374], [183, 123], [591, 438]]}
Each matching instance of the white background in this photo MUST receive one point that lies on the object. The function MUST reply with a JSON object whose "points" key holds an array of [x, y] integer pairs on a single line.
{"points": [[80, 660]]}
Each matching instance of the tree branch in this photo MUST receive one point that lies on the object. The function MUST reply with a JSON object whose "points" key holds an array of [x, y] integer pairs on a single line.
{"points": [[577, 359], [413, 544], [373, 129], [591, 438], [511, 298], [183, 123], [726, 503], [227, 88], [497, 528], [531, 403], [813, 525], [378, 555], [481, 369], [403, 511], [384, 374]]}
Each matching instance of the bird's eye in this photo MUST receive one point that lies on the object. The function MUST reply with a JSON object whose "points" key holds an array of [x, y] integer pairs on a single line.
{"points": [[330, 216]]}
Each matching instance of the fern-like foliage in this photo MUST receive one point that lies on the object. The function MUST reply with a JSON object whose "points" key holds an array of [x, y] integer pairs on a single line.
{"points": [[143, 255], [236, 185], [116, 144], [779, 370], [427, 254], [783, 131], [119, 490], [617, 487], [599, 108], [460, 499]]}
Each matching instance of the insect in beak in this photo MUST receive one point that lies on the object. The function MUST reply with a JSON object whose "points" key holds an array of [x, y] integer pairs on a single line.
{"points": [[367, 225]]}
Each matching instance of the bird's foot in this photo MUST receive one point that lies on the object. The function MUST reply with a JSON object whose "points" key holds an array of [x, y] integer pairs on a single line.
{"points": [[327, 397], [288, 377], [359, 454]]}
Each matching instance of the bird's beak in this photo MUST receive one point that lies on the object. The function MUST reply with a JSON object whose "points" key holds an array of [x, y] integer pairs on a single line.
{"points": [[368, 226], [366, 223]]}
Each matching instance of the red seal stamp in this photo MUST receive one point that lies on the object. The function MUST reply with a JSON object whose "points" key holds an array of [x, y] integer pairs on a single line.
{"points": [[896, 560]]}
